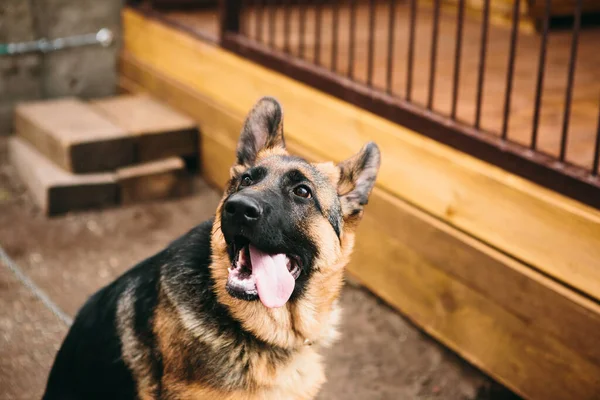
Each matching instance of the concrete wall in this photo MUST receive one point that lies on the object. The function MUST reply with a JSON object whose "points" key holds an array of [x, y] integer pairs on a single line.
{"points": [[86, 72]]}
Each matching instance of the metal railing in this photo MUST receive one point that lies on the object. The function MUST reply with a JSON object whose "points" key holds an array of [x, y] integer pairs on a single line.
{"points": [[281, 34]]}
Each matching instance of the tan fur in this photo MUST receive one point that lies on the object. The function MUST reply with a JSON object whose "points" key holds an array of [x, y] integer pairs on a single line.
{"points": [[299, 378], [330, 170], [134, 354], [304, 326]]}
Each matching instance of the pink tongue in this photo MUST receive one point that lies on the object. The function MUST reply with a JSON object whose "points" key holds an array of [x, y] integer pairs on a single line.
{"points": [[274, 282]]}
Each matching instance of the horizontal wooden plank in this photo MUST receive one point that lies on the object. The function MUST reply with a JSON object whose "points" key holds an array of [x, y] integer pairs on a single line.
{"points": [[73, 136], [155, 180], [56, 191], [552, 233], [562, 8], [514, 323], [127, 86], [159, 130], [511, 346]]}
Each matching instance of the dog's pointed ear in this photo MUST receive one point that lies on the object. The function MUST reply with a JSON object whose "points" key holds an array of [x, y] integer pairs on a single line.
{"points": [[357, 178], [263, 129]]}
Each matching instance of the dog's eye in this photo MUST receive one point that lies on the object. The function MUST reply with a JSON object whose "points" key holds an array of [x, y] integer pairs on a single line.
{"points": [[302, 191], [246, 181]]}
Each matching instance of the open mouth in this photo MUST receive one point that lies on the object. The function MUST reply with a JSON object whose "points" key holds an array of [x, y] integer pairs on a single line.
{"points": [[256, 274]]}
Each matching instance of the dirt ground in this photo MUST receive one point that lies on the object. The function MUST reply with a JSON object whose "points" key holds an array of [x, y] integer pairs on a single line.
{"points": [[380, 356]]}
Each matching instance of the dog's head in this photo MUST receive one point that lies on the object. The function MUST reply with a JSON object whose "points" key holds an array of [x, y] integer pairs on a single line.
{"points": [[286, 222]]}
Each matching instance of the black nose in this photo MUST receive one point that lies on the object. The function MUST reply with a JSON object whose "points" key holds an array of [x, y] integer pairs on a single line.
{"points": [[243, 209]]}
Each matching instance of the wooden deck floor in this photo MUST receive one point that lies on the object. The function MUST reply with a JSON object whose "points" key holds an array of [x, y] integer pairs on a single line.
{"points": [[586, 95]]}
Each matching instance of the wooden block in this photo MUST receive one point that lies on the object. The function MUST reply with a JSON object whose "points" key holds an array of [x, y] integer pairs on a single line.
{"points": [[154, 180], [516, 324], [56, 191], [159, 130], [74, 136]]}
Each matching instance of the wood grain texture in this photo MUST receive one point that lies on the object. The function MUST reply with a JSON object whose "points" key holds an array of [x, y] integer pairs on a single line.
{"points": [[517, 325], [54, 190], [562, 8], [552, 233], [159, 131], [155, 180], [73, 136]]}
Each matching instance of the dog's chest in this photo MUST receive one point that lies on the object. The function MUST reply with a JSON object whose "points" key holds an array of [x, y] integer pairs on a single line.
{"points": [[300, 377]]}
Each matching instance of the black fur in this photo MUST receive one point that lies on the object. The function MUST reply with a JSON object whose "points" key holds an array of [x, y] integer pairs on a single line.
{"points": [[263, 129], [89, 364], [281, 210]]}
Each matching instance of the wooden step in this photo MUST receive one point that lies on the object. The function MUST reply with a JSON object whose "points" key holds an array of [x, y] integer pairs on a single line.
{"points": [[106, 134], [159, 130], [74, 136], [56, 191], [154, 180]]}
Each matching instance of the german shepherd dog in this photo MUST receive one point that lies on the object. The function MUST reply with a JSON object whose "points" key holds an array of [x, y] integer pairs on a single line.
{"points": [[239, 307]]}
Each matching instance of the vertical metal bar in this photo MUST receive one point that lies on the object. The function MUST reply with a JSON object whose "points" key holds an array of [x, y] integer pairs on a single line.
{"points": [[352, 40], [540, 77], [411, 49], [229, 15], [286, 26], [390, 50], [596, 162], [243, 17], [318, 20], [272, 8], [334, 34], [570, 79], [258, 20], [371, 42], [433, 56], [457, 56], [482, 54], [301, 27], [514, 37]]}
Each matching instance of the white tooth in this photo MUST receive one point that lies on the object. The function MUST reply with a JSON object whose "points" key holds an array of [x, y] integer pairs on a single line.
{"points": [[229, 269]]}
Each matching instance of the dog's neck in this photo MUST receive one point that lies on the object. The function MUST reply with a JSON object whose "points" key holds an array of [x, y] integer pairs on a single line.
{"points": [[311, 319]]}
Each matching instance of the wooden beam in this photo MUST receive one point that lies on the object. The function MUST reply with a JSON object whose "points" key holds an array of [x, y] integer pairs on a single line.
{"points": [[159, 131], [73, 136], [550, 232], [154, 180], [562, 8], [513, 322], [57, 191]]}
